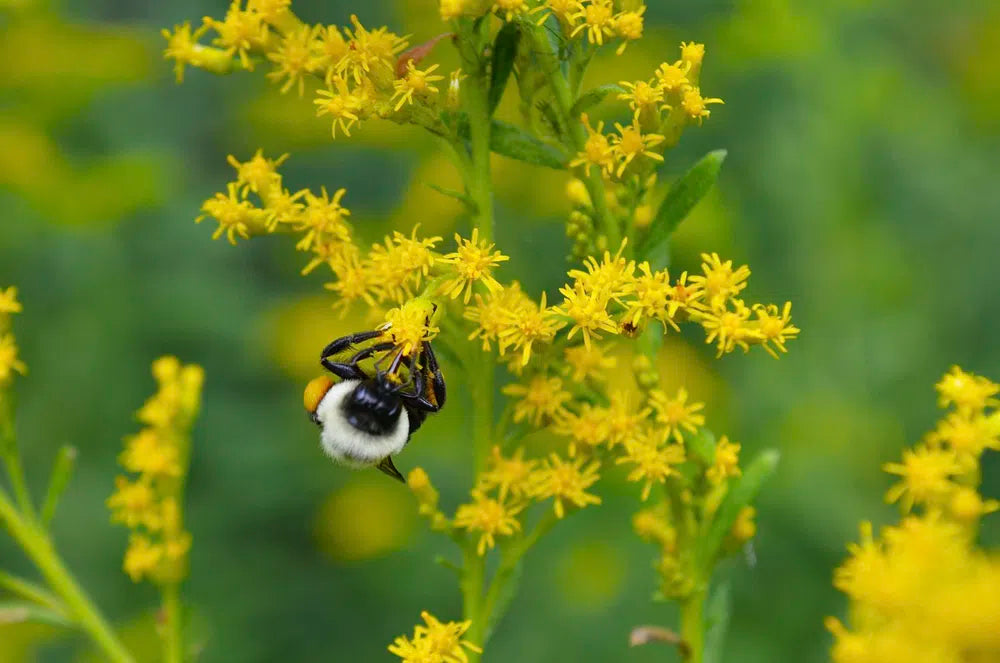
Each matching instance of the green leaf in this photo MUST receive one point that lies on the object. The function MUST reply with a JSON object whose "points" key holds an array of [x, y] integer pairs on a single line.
{"points": [[452, 193], [591, 98], [62, 471], [510, 141], [448, 564], [742, 492], [717, 611], [511, 584], [702, 445], [504, 51], [681, 199], [20, 612]]}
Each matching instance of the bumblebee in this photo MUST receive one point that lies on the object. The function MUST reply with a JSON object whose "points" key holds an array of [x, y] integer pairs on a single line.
{"points": [[366, 418]]}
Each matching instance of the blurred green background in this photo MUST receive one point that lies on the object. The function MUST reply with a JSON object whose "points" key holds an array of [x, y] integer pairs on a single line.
{"points": [[861, 184]]}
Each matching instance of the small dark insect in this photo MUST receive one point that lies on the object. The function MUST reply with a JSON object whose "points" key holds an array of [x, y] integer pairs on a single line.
{"points": [[366, 418]]}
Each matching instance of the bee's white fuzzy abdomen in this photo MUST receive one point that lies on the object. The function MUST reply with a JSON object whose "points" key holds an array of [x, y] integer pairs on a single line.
{"points": [[348, 445]]}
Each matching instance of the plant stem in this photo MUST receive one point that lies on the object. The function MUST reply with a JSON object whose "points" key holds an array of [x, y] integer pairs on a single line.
{"points": [[173, 643], [38, 547], [693, 624], [473, 576], [564, 99]]}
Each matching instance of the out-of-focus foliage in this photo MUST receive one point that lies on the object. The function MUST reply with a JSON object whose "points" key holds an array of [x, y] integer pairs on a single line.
{"points": [[862, 142]]}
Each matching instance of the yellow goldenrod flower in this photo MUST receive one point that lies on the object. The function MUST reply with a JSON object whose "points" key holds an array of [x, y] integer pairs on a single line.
{"points": [[134, 503], [631, 143], [450, 9], [473, 261], [240, 32], [676, 414], [409, 325], [612, 276], [9, 363], [692, 53], [494, 314], [427, 499], [673, 77], [596, 151], [684, 296], [369, 52], [331, 48], [628, 25], [415, 83], [269, 10], [598, 21], [589, 362], [509, 475], [730, 329], [142, 557], [436, 642], [775, 328], [454, 98], [695, 105], [258, 174], [510, 8], [720, 280], [354, 278], [726, 463], [343, 106], [183, 47], [642, 97], [295, 58], [967, 504], [400, 264], [565, 480], [652, 292], [281, 206], [526, 325], [543, 398], [651, 525], [967, 435], [589, 427], [8, 301], [624, 418], [146, 453], [323, 219], [565, 11], [744, 528], [653, 463], [966, 391], [489, 516], [925, 476], [236, 217], [588, 312]]}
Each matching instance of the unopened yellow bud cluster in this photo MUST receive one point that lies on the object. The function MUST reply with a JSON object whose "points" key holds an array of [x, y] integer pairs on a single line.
{"points": [[9, 361], [923, 586], [157, 457]]}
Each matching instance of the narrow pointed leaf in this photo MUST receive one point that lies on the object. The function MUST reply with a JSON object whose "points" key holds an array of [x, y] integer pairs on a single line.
{"points": [[591, 98], [511, 585], [742, 491], [681, 199], [717, 611], [452, 193], [20, 612], [508, 140], [504, 51], [702, 446], [62, 471]]}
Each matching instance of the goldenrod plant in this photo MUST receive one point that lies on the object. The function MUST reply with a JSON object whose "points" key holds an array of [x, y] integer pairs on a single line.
{"points": [[556, 358], [924, 589], [151, 506]]}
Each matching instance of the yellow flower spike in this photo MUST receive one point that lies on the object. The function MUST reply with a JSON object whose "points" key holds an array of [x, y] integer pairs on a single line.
{"points": [[473, 262], [146, 453], [8, 301], [343, 106], [966, 391], [720, 280], [588, 312], [624, 418], [694, 105], [495, 313], [420, 485], [526, 325], [775, 327], [295, 58], [331, 48], [323, 219], [598, 21], [653, 463], [450, 9], [631, 143], [9, 363], [355, 279], [542, 399], [436, 642], [142, 557], [134, 504], [281, 206], [589, 427], [729, 329], [269, 10], [589, 363], [684, 297], [370, 53], [183, 48], [490, 517], [744, 528], [612, 276], [409, 325], [925, 474], [642, 97], [968, 436], [676, 415], [567, 481], [236, 217], [508, 475], [510, 9], [651, 292], [726, 464], [692, 53], [240, 32], [415, 84], [967, 504], [596, 150], [673, 78], [400, 264], [258, 174], [628, 25]]}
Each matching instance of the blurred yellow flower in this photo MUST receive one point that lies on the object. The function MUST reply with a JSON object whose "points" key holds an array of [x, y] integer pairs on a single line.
{"points": [[565, 480], [436, 642], [489, 516], [676, 414]]}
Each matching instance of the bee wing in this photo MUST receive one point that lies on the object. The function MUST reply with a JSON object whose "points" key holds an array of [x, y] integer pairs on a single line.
{"points": [[385, 465]]}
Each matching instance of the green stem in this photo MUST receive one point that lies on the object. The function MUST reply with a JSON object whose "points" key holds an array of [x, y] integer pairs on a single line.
{"points": [[81, 609], [564, 99], [173, 647], [18, 483], [473, 577], [693, 625], [478, 179]]}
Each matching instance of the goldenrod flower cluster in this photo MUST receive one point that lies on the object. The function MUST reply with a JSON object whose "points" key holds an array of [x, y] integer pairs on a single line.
{"points": [[148, 502], [923, 590], [434, 642], [9, 361]]}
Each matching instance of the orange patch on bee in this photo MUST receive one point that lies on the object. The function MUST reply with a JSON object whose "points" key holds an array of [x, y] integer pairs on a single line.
{"points": [[315, 391]]}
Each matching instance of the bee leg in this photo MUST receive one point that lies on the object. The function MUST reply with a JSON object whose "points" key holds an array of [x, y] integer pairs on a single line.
{"points": [[341, 344], [385, 465], [349, 370], [434, 373], [429, 375]]}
